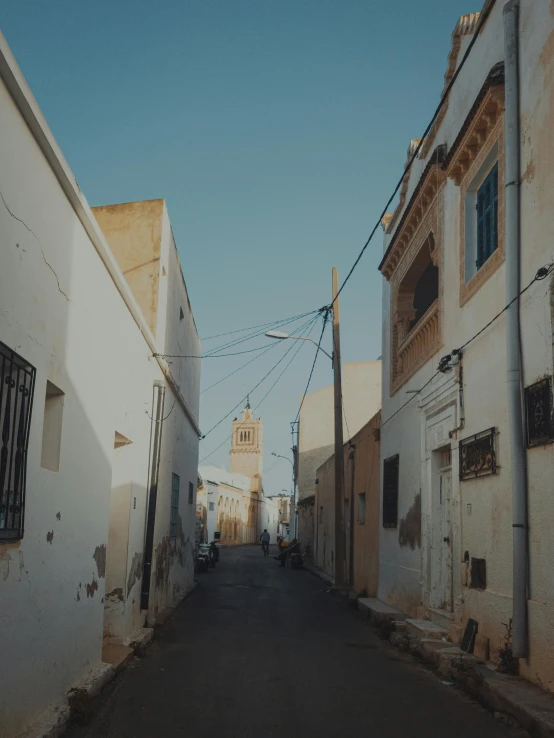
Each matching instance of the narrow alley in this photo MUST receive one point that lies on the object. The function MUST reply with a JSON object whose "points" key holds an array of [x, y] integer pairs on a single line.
{"points": [[263, 651]]}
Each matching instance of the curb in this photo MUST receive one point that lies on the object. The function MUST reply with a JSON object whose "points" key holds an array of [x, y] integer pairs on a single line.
{"points": [[510, 698]]}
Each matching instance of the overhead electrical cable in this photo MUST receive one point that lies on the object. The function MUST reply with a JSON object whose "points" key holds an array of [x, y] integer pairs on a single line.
{"points": [[303, 328], [301, 343], [482, 20]]}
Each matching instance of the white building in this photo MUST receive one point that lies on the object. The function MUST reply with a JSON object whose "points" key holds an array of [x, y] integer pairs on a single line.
{"points": [[233, 502], [97, 509], [446, 548]]}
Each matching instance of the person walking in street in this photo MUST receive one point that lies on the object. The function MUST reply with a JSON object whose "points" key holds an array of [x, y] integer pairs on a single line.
{"points": [[265, 538]]}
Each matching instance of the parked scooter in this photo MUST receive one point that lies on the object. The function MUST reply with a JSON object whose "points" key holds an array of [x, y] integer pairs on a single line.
{"points": [[202, 558], [297, 559], [214, 551]]}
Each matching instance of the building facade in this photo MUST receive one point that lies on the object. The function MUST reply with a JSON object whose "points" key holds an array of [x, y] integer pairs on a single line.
{"points": [[446, 542], [234, 502], [83, 390], [361, 511], [361, 383]]}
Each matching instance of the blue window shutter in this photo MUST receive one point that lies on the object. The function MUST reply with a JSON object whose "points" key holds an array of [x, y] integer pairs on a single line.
{"points": [[480, 228], [487, 217]]}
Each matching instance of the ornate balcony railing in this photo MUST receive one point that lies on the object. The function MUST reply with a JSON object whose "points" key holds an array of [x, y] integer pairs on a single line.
{"points": [[418, 346]]}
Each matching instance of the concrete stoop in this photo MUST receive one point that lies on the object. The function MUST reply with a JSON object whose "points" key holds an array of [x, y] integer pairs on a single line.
{"points": [[509, 697]]}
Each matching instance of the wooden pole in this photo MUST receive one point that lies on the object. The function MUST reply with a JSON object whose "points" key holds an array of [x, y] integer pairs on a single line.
{"points": [[340, 543]]}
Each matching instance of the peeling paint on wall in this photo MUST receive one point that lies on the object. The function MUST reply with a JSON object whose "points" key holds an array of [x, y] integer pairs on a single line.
{"points": [[92, 588], [58, 516], [135, 572], [115, 595], [409, 529], [5, 559], [50, 536], [100, 558]]}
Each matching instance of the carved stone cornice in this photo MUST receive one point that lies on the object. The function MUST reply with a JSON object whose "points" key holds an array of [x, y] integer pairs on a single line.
{"points": [[421, 203], [393, 217], [466, 26], [476, 134]]}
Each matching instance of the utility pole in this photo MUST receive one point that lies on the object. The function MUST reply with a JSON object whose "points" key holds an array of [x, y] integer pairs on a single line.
{"points": [[340, 543]]}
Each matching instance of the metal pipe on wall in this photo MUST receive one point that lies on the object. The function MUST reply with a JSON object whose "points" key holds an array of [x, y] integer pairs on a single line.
{"points": [[157, 421], [518, 449]]}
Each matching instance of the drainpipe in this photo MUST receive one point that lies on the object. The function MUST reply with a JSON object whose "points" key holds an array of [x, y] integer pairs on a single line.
{"points": [[352, 457], [518, 449], [152, 495]]}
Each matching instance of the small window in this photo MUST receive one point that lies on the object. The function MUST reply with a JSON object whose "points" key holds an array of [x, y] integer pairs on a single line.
{"points": [[52, 428], [174, 518], [478, 574], [17, 383], [390, 492], [477, 455], [191, 493], [538, 408], [211, 506], [321, 514], [487, 217], [361, 509]]}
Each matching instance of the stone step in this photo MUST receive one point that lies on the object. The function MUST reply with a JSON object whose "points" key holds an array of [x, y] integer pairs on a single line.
{"points": [[444, 618], [425, 629], [378, 610]]}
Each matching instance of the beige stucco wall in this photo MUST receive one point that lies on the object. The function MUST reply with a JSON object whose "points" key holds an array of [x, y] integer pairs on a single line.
{"points": [[361, 472], [361, 391], [134, 232]]}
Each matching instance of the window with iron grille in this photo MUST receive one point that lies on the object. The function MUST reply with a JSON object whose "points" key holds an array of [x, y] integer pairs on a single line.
{"points": [[487, 217], [538, 409], [191, 493], [390, 491], [174, 516], [477, 455], [17, 386]]}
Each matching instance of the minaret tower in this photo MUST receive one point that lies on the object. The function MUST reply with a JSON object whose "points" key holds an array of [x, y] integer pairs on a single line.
{"points": [[247, 447]]}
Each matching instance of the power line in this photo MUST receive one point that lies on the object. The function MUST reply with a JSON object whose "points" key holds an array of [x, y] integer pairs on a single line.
{"points": [[252, 327], [271, 345], [541, 274], [276, 324], [307, 324], [212, 356], [325, 319], [484, 15], [266, 394]]}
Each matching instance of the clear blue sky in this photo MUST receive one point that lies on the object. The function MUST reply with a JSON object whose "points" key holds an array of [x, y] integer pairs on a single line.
{"points": [[274, 129]]}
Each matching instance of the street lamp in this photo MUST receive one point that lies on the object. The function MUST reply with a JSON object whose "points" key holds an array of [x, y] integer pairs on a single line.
{"points": [[281, 336], [283, 457]]}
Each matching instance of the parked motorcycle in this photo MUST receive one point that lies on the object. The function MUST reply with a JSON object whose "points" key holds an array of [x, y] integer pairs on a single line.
{"points": [[214, 550], [296, 557], [202, 560]]}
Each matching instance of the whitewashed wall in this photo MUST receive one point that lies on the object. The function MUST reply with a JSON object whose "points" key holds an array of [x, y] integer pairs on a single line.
{"points": [[487, 532], [61, 310]]}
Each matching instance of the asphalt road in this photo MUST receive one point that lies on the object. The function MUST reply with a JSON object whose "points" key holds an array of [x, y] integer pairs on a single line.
{"points": [[258, 651]]}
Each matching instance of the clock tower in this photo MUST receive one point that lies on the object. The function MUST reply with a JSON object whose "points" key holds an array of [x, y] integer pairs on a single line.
{"points": [[247, 448]]}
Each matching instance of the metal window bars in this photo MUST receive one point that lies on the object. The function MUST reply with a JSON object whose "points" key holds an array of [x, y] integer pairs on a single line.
{"points": [[477, 455], [538, 410], [17, 383]]}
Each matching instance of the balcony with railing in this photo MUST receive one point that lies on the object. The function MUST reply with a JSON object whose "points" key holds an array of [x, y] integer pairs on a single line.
{"points": [[421, 342]]}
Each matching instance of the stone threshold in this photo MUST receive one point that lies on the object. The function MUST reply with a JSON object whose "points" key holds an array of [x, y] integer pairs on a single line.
{"points": [[512, 699]]}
